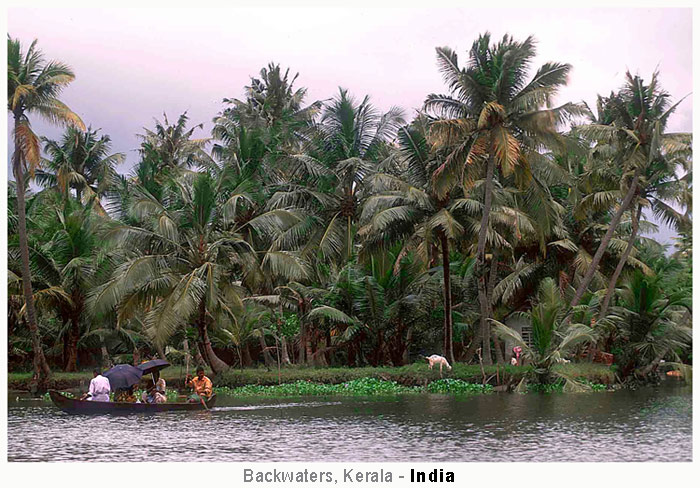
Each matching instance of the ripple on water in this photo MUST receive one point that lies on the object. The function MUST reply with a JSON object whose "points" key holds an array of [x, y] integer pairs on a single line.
{"points": [[647, 425]]}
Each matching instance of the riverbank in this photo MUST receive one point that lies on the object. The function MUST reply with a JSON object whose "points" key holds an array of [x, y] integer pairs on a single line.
{"points": [[412, 375]]}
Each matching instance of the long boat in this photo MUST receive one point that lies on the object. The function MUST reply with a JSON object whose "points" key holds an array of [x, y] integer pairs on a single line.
{"points": [[75, 406]]}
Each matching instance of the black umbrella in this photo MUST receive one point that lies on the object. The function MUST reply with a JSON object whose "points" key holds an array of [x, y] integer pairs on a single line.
{"points": [[123, 376], [153, 365]]}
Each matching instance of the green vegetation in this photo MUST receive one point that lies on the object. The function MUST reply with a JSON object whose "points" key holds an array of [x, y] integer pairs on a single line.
{"points": [[552, 338], [359, 387], [331, 242], [462, 379]]}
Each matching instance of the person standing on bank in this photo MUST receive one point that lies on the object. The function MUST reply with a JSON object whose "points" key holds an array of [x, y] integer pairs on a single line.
{"points": [[99, 388]]}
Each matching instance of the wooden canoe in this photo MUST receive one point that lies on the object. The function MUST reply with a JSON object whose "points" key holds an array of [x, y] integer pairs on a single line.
{"points": [[73, 405]]}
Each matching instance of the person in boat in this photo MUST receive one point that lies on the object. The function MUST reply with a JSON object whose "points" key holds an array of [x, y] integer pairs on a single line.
{"points": [[201, 386], [125, 395], [160, 396], [99, 388], [156, 393]]}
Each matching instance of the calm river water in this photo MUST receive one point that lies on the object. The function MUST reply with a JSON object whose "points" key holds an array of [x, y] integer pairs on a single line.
{"points": [[651, 424]]}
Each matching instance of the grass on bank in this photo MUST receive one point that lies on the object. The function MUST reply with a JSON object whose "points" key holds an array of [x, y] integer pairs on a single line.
{"points": [[296, 380], [416, 374]]}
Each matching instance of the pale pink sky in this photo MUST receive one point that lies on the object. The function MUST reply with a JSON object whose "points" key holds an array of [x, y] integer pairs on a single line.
{"points": [[132, 65]]}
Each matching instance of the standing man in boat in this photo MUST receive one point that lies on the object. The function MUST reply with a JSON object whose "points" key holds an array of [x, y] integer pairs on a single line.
{"points": [[201, 385], [99, 388]]}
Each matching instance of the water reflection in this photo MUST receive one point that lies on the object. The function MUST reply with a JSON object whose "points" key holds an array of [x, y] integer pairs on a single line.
{"points": [[644, 425]]}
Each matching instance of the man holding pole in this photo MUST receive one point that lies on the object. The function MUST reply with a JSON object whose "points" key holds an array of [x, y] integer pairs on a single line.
{"points": [[201, 386]]}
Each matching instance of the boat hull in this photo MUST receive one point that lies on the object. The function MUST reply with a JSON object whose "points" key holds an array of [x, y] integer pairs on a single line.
{"points": [[75, 406]]}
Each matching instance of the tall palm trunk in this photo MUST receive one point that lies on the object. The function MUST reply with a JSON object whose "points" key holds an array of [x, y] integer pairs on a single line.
{"points": [[302, 342], [73, 337], [309, 342], [493, 274], [41, 367], [588, 277], [186, 353], [621, 263], [349, 238], [305, 349], [216, 364], [160, 351], [481, 261], [104, 353], [247, 360], [284, 352], [447, 348], [283, 340], [269, 362], [74, 331], [407, 344]]}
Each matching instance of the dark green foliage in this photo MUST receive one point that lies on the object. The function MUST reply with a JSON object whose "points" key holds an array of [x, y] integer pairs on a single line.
{"points": [[331, 234]]}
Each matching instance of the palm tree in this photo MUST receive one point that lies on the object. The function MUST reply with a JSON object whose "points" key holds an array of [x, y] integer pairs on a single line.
{"points": [[632, 123], [273, 108], [385, 296], [239, 332], [68, 243], [650, 317], [352, 136], [643, 110], [80, 161], [33, 87], [184, 261], [172, 148], [552, 339], [494, 118], [404, 207], [306, 301]]}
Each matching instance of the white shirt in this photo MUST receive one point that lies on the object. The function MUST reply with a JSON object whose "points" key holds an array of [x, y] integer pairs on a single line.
{"points": [[99, 389]]}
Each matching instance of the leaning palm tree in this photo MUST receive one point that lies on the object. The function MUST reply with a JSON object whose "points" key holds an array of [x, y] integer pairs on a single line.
{"points": [[494, 118], [631, 127], [33, 87], [80, 161]]}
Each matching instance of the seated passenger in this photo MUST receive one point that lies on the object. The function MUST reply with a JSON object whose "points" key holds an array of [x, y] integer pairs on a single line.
{"points": [[125, 395], [201, 386], [159, 396], [156, 393], [99, 388]]}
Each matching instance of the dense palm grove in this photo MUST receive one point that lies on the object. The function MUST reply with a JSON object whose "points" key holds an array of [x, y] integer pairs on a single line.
{"points": [[330, 233]]}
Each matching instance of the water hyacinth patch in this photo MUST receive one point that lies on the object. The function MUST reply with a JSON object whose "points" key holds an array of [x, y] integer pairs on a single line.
{"points": [[358, 387], [374, 386]]}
